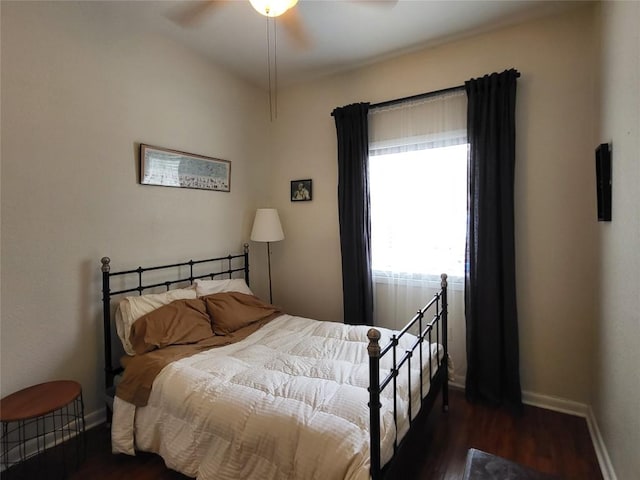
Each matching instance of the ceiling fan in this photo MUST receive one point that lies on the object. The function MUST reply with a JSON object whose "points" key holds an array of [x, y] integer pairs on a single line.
{"points": [[284, 11], [288, 17]]}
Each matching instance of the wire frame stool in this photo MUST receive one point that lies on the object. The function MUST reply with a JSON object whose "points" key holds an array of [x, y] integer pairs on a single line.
{"points": [[38, 419]]}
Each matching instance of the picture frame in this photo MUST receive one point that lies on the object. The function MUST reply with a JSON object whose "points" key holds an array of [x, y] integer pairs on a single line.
{"points": [[301, 190], [173, 168]]}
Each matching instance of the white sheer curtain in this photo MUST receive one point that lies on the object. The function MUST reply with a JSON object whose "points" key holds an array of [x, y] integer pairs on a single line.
{"points": [[418, 184]]}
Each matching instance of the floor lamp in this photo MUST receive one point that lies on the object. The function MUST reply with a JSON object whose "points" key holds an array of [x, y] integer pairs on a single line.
{"points": [[267, 228]]}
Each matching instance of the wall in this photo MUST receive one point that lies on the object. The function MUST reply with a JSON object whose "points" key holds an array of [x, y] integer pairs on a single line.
{"points": [[555, 194], [616, 388], [81, 87]]}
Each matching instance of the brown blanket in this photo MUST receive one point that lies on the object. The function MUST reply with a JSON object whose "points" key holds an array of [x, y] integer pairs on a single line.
{"points": [[141, 370]]}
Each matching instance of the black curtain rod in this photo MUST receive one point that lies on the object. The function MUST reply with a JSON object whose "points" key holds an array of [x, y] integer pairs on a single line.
{"points": [[413, 97], [419, 96]]}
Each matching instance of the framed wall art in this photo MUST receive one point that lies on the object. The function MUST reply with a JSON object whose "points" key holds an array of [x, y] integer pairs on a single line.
{"points": [[301, 190], [172, 168], [603, 182]]}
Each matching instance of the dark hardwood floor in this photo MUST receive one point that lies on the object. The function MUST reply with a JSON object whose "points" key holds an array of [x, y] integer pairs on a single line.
{"points": [[547, 441]]}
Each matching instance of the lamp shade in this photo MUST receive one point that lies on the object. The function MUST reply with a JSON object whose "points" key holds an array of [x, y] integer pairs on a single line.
{"points": [[266, 226]]}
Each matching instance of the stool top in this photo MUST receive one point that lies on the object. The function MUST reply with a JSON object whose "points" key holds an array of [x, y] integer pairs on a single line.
{"points": [[38, 400]]}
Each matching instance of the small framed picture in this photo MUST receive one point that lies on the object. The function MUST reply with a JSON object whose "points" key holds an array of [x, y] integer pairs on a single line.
{"points": [[301, 190]]}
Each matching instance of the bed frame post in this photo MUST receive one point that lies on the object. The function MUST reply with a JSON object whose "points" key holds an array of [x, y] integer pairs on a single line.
{"points": [[106, 310], [374, 401], [445, 309], [246, 263]]}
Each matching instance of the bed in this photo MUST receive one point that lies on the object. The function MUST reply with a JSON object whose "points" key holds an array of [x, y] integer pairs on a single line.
{"points": [[266, 395]]}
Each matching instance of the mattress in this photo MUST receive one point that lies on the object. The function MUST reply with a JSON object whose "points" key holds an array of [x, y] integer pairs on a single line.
{"points": [[288, 402]]}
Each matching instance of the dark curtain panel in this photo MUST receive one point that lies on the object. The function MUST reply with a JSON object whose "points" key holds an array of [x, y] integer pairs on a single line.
{"points": [[493, 371], [354, 212]]}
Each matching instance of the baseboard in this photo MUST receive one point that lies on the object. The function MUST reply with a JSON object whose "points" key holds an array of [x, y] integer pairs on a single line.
{"points": [[457, 382], [606, 467], [95, 418], [556, 404], [547, 402]]}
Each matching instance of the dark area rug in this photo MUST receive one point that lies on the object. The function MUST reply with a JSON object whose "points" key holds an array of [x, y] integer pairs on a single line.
{"points": [[484, 466]]}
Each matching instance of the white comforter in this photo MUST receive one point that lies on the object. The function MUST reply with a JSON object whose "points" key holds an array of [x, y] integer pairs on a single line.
{"points": [[288, 402]]}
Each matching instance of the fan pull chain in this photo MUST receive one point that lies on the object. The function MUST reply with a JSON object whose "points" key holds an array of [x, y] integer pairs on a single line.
{"points": [[273, 77], [275, 67]]}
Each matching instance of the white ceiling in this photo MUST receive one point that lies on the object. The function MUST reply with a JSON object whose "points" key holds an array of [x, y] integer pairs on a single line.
{"points": [[342, 34]]}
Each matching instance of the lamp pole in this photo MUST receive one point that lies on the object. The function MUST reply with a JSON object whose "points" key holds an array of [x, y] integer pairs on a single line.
{"points": [[269, 264]]}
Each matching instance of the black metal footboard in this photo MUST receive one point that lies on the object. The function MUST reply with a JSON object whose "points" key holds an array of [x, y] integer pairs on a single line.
{"points": [[435, 330]]}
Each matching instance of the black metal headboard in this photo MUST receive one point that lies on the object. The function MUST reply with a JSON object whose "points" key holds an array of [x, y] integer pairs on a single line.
{"points": [[172, 276]]}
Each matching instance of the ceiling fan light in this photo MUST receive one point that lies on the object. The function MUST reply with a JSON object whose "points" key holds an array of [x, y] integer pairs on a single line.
{"points": [[272, 8]]}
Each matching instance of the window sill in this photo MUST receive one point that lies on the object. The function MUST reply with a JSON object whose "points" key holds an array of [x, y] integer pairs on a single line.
{"points": [[430, 281]]}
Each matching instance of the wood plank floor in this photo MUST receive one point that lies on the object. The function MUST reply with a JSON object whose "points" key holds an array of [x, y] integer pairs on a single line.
{"points": [[547, 441], [541, 439]]}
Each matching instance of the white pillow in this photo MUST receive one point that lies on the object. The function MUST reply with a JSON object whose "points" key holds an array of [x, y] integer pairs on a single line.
{"points": [[207, 287], [131, 309]]}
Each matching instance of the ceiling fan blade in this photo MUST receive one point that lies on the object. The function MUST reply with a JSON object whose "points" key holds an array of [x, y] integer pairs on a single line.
{"points": [[293, 25], [192, 13]]}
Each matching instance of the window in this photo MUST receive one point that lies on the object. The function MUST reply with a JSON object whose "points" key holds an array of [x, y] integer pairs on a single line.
{"points": [[419, 211], [418, 188]]}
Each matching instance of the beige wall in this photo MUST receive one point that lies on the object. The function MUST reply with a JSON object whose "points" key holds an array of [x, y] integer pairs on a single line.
{"points": [[616, 389], [555, 195], [80, 90]]}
